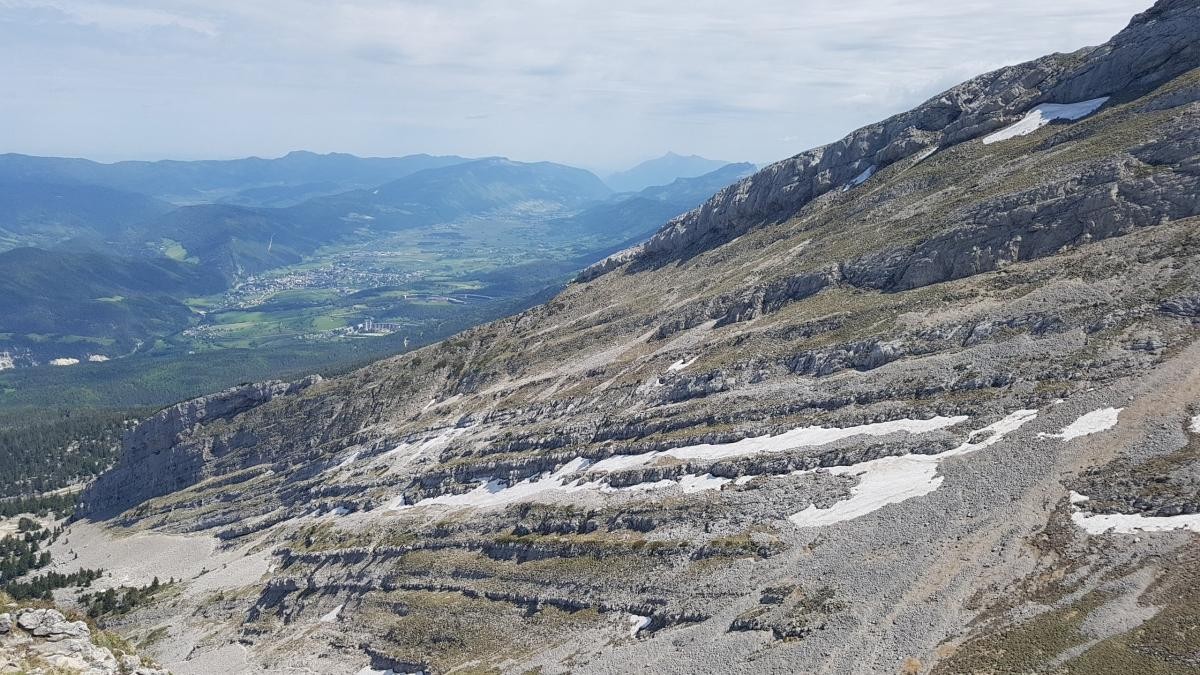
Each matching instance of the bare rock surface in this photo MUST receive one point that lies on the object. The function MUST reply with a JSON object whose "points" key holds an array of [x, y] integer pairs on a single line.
{"points": [[42, 640]]}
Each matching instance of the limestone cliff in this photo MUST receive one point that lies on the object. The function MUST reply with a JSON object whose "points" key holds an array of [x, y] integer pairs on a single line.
{"points": [[168, 451]]}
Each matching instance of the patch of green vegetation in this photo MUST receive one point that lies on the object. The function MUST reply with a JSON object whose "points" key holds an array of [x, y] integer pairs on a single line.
{"points": [[58, 505], [452, 632], [41, 585], [20, 555], [116, 601], [155, 379], [596, 543], [1026, 647], [1165, 644], [742, 544], [48, 448], [175, 251], [116, 644], [325, 536]]}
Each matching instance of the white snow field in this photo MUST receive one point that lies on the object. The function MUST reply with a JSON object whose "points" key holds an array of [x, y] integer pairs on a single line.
{"points": [[1091, 423], [860, 178], [788, 440], [1044, 114], [333, 615], [891, 480], [64, 362], [1120, 523], [1195, 428], [582, 475]]}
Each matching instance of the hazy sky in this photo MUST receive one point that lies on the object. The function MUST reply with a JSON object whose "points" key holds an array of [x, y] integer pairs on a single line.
{"points": [[595, 83]]}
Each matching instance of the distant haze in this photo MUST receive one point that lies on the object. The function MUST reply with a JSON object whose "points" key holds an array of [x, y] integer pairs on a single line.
{"points": [[601, 85]]}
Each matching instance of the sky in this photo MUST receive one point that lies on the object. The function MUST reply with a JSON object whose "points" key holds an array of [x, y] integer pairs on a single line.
{"points": [[600, 84]]}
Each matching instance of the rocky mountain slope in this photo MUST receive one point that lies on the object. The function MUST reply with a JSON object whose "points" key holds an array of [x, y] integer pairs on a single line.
{"points": [[923, 400]]}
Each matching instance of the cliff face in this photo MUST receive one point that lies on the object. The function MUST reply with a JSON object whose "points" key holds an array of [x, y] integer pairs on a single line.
{"points": [[872, 409], [173, 449]]}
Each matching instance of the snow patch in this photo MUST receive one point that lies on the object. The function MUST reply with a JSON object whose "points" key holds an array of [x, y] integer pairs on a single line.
{"points": [[1195, 428], [860, 178], [891, 480], [1091, 423], [563, 482], [691, 484], [582, 475], [680, 365], [925, 154], [97, 358], [495, 492], [1044, 114], [64, 362], [788, 440], [333, 615], [436, 441], [636, 623], [1121, 523], [346, 461]]}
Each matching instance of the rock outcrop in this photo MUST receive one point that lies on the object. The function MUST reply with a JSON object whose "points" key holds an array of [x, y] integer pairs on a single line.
{"points": [[43, 641]]}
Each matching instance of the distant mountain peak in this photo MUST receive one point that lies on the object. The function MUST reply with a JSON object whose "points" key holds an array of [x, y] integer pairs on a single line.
{"points": [[662, 171]]}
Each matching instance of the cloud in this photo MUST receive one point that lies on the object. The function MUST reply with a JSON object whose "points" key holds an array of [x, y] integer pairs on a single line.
{"points": [[599, 84], [114, 17]]}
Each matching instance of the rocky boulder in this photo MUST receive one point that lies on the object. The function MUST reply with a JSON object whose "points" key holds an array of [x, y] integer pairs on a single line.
{"points": [[44, 641], [51, 624]]}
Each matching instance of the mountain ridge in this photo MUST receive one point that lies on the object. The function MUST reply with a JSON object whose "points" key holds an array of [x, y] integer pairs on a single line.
{"points": [[662, 171], [897, 420], [960, 114], [191, 180]]}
